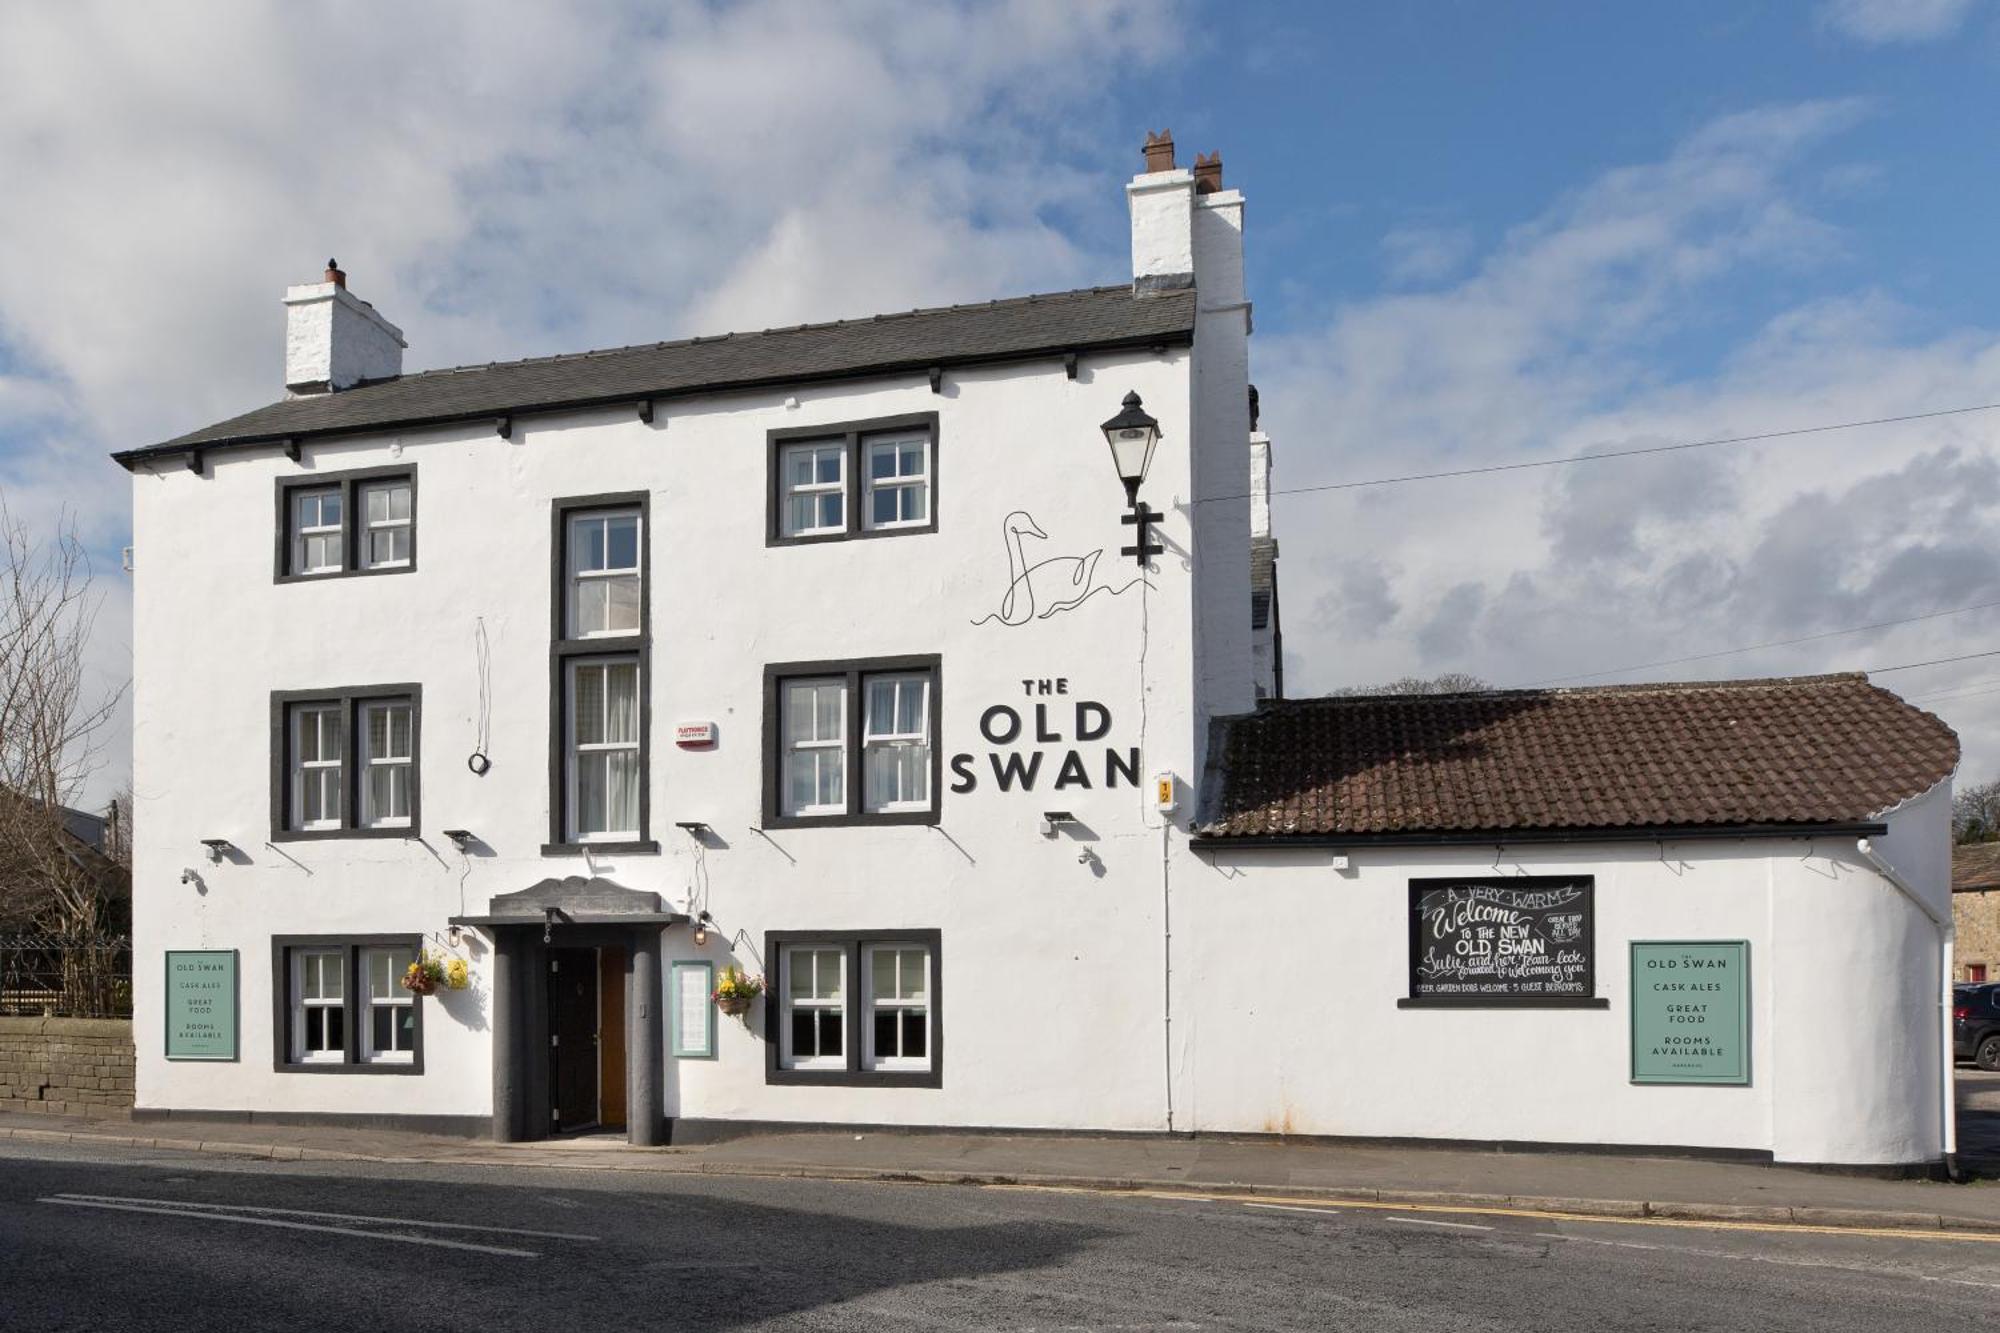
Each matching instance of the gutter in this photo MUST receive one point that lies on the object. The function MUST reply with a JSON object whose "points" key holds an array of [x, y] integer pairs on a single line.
{"points": [[1490, 837], [1947, 1054], [130, 458]]}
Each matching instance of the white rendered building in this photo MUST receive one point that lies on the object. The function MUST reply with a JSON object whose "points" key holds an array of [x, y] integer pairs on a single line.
{"points": [[814, 652]]}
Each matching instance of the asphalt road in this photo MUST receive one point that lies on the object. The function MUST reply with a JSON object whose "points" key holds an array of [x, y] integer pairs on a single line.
{"points": [[141, 1239]]}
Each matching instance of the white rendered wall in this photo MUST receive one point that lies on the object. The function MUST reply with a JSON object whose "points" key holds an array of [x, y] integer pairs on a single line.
{"points": [[1284, 972], [1264, 662], [1293, 1024], [1033, 939], [1871, 1091], [1163, 247], [1224, 669]]}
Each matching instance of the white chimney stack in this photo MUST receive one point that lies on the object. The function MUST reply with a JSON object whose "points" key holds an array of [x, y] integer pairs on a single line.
{"points": [[335, 340]]}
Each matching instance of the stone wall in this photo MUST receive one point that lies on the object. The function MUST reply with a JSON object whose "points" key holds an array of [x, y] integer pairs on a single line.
{"points": [[1976, 919], [66, 1066]]}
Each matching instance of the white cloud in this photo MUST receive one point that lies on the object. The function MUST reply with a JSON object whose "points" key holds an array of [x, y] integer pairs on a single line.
{"points": [[1557, 344], [502, 184], [1424, 254], [1883, 21]]}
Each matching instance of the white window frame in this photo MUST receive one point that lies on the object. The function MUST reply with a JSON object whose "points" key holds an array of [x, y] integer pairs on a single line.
{"points": [[316, 768], [872, 740], [871, 1059], [838, 1006], [302, 1005], [574, 750], [788, 490], [399, 958], [370, 762], [297, 499], [900, 482], [577, 578], [369, 526], [818, 746]]}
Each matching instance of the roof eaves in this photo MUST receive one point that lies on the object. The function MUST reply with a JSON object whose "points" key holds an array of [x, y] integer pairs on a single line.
{"points": [[1209, 837], [1163, 337]]}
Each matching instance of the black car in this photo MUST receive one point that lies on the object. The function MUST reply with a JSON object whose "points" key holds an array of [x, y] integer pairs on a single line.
{"points": [[1975, 1026]]}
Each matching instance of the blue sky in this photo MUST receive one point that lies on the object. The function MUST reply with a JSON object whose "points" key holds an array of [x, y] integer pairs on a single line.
{"points": [[1477, 233], [1357, 120]]}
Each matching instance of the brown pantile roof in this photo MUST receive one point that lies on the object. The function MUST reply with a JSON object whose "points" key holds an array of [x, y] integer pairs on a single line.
{"points": [[1023, 327], [1975, 866], [1729, 754]]}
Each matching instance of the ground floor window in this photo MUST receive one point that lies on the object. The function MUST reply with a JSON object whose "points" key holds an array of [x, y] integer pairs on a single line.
{"points": [[340, 1004], [855, 1007]]}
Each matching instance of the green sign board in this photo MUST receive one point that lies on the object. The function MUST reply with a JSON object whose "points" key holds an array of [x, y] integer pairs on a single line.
{"points": [[201, 1004], [1691, 1011]]}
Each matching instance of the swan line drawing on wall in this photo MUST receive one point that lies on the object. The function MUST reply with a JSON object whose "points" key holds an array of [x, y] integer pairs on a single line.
{"points": [[1047, 587]]}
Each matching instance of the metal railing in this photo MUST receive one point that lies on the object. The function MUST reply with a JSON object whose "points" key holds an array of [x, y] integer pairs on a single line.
{"points": [[58, 976]]}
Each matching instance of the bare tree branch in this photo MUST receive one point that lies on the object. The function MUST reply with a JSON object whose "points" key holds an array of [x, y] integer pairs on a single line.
{"points": [[50, 731]]}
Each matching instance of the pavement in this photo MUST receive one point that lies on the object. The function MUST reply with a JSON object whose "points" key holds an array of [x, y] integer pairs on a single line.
{"points": [[1578, 1184]]}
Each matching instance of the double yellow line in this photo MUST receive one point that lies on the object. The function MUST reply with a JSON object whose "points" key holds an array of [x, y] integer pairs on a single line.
{"points": [[1540, 1214]]}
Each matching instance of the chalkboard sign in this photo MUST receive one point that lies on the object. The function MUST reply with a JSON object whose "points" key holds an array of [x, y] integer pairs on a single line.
{"points": [[1521, 940]]}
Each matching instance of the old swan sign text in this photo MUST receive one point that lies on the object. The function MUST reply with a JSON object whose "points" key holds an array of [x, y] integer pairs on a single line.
{"points": [[1055, 719], [1690, 1011]]}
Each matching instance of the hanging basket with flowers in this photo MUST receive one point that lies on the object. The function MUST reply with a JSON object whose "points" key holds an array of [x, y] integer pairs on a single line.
{"points": [[735, 991], [424, 976]]}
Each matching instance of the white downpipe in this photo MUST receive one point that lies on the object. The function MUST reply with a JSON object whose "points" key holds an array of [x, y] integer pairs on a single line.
{"points": [[1947, 1075]]}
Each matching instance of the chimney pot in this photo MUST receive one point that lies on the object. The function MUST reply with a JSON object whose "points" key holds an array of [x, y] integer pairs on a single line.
{"points": [[1207, 172], [1159, 151], [334, 274]]}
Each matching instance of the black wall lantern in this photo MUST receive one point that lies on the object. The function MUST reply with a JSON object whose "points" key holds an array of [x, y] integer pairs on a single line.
{"points": [[1132, 434]]}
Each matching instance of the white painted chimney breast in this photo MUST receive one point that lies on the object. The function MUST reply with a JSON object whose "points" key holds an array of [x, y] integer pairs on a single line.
{"points": [[1162, 230], [335, 340]]}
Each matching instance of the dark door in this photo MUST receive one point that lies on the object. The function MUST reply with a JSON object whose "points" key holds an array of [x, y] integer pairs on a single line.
{"points": [[573, 1037]]}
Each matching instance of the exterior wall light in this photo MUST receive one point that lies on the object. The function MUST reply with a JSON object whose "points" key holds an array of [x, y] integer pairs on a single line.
{"points": [[460, 838], [1132, 435], [1053, 822], [216, 848], [701, 925]]}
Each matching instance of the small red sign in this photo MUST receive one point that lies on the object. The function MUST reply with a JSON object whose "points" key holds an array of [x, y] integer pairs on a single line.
{"points": [[694, 735]]}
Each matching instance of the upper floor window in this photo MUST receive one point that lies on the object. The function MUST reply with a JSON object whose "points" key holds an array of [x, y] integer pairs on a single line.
{"points": [[386, 511], [815, 483], [388, 755], [605, 590], [603, 750], [898, 484], [852, 742], [872, 478], [599, 676], [345, 762], [316, 532], [347, 523]]}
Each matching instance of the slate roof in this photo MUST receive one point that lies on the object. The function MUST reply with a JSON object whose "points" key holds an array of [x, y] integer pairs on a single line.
{"points": [[1728, 754], [1975, 867], [1092, 319]]}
